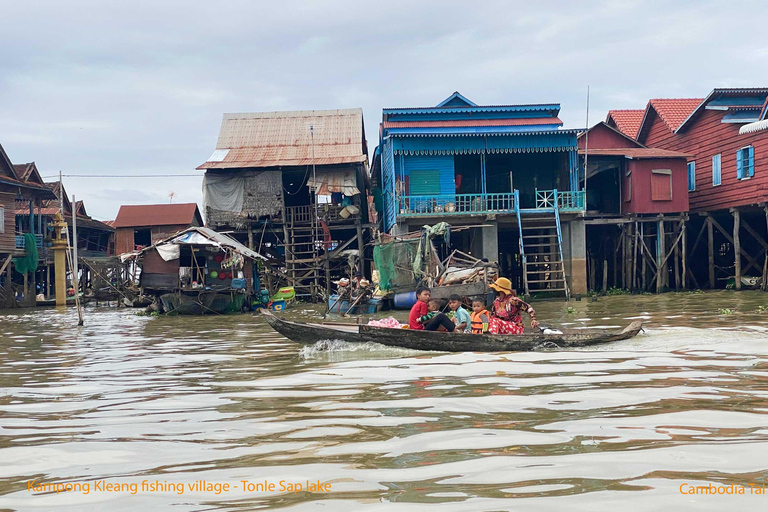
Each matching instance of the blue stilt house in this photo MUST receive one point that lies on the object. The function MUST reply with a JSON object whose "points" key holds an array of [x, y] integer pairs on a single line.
{"points": [[511, 169]]}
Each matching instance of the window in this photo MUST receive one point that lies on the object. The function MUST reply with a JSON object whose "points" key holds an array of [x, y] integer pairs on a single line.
{"points": [[661, 185], [745, 163], [628, 187], [691, 175], [2, 219], [716, 170]]}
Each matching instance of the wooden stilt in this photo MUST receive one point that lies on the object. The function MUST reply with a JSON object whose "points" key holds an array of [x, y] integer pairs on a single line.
{"points": [[619, 249], [605, 275], [634, 256], [685, 254], [661, 267], [644, 272], [676, 263], [711, 251], [737, 247]]}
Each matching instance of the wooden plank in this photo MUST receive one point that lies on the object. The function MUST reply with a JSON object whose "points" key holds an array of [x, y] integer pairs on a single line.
{"points": [[7, 262]]}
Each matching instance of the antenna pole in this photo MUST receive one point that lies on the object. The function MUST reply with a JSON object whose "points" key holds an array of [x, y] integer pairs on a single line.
{"points": [[586, 152]]}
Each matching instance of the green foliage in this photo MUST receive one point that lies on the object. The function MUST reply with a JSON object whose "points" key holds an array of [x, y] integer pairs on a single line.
{"points": [[726, 311], [761, 309], [570, 310]]}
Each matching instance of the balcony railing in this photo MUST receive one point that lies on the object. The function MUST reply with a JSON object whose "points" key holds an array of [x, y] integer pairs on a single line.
{"points": [[455, 204], [566, 200], [20, 241]]}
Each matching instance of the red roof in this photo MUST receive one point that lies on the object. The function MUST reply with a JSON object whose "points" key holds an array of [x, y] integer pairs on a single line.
{"points": [[137, 215], [676, 110], [627, 121], [636, 153], [472, 122]]}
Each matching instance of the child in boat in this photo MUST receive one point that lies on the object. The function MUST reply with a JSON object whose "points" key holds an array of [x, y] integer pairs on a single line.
{"points": [[458, 314], [480, 318], [420, 320]]}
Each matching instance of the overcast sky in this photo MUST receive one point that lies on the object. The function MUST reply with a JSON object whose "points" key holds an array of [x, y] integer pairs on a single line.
{"points": [[94, 87]]}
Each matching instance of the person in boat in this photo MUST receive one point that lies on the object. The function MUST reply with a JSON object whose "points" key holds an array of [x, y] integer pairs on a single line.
{"points": [[507, 313], [458, 314], [480, 317], [419, 320]]}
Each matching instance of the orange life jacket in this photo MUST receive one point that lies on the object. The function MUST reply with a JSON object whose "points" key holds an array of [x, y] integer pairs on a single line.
{"points": [[479, 325]]}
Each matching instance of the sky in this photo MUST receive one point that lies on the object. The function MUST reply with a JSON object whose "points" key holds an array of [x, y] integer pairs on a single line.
{"points": [[100, 88]]}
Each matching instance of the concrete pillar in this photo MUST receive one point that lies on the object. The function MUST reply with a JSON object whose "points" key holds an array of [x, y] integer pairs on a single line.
{"points": [[575, 255], [491, 240]]}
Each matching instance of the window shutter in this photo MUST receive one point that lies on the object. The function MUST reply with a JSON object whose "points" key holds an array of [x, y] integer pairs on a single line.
{"points": [[740, 164], [751, 162], [691, 175], [2, 219], [716, 170]]}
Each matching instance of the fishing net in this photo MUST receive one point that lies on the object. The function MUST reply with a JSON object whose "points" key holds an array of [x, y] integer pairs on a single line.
{"points": [[394, 261], [28, 262]]}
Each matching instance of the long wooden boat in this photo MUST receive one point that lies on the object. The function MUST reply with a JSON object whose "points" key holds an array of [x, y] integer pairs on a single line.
{"points": [[311, 333]]}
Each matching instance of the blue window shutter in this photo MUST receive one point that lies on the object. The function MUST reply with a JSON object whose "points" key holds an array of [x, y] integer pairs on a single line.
{"points": [[740, 164], [716, 170], [751, 166], [691, 175]]}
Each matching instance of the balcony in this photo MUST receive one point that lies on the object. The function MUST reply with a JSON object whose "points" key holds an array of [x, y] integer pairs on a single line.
{"points": [[483, 204], [20, 241]]}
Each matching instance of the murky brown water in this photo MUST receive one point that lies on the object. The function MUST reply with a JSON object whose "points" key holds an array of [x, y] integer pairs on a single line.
{"points": [[128, 399]]}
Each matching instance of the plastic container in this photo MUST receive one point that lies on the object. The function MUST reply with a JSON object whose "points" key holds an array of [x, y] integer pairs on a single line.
{"points": [[238, 284], [405, 300]]}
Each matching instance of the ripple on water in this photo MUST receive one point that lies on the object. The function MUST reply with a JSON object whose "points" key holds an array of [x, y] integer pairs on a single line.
{"points": [[224, 399]]}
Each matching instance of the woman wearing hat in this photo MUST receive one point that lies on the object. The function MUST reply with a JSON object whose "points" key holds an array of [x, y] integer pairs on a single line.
{"points": [[508, 310]]}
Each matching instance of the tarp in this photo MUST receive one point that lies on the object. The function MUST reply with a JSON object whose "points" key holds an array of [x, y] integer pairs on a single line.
{"points": [[28, 262], [193, 238], [334, 181], [223, 192], [169, 251]]}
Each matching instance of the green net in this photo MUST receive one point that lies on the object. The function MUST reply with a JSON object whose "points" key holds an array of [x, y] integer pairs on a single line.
{"points": [[395, 261], [28, 262]]}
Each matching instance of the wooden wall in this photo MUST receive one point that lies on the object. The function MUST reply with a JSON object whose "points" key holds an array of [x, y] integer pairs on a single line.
{"points": [[8, 237], [641, 175], [704, 138]]}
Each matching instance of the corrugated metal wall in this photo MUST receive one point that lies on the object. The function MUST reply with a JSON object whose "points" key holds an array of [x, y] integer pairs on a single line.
{"points": [[441, 163], [388, 185]]}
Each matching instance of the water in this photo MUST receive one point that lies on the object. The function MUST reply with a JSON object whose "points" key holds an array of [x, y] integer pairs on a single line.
{"points": [[224, 399]]}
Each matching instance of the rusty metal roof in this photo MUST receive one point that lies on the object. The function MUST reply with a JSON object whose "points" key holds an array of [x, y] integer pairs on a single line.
{"points": [[140, 215], [270, 139]]}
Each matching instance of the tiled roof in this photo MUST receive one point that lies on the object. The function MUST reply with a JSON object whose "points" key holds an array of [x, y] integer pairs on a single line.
{"points": [[268, 139], [138, 215], [674, 111], [627, 121], [472, 122]]}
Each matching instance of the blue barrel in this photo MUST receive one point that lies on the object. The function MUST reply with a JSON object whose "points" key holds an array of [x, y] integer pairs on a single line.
{"points": [[405, 300]]}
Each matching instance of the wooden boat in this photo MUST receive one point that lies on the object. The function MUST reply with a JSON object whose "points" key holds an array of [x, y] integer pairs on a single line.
{"points": [[311, 333]]}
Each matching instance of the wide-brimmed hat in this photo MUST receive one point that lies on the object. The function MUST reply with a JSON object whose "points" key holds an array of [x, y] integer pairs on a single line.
{"points": [[502, 284]]}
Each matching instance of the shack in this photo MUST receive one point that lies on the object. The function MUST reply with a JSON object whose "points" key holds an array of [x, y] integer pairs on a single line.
{"points": [[294, 185], [197, 271], [141, 225]]}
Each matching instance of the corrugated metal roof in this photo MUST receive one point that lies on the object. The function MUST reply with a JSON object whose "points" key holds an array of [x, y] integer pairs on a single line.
{"points": [[638, 153], [627, 121], [138, 215], [754, 127], [480, 108], [533, 121], [269, 139]]}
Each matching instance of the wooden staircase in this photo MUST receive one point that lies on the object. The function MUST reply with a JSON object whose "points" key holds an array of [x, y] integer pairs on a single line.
{"points": [[541, 250]]}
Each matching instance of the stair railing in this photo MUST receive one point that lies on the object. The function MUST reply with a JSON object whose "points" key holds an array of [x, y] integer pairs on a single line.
{"points": [[523, 258], [560, 246]]}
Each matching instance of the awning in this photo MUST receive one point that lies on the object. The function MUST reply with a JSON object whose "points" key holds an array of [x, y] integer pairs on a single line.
{"points": [[334, 181], [754, 127]]}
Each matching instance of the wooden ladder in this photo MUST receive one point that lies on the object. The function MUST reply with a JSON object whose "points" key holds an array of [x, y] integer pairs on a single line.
{"points": [[541, 250]]}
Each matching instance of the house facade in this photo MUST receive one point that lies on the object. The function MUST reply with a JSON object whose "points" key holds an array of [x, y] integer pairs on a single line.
{"points": [[293, 185], [508, 173], [725, 138], [139, 226]]}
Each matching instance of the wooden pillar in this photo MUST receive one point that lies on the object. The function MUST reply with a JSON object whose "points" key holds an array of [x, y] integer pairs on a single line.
{"points": [[661, 249], [643, 256], [605, 275], [361, 247], [711, 251], [47, 281], [737, 247], [685, 253], [250, 237], [634, 256], [676, 261]]}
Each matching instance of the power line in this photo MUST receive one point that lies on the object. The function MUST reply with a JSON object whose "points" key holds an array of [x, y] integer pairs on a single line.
{"points": [[200, 175]]}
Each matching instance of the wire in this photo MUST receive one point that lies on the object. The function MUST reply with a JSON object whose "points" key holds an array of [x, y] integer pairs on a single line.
{"points": [[122, 175]]}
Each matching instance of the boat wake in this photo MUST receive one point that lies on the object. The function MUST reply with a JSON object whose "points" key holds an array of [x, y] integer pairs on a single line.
{"points": [[324, 347]]}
